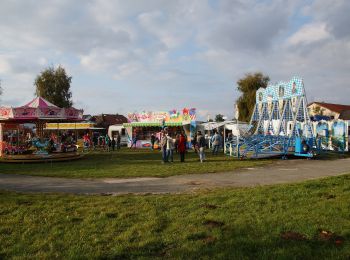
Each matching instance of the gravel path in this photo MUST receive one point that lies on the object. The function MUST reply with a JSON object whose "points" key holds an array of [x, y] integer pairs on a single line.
{"points": [[289, 171]]}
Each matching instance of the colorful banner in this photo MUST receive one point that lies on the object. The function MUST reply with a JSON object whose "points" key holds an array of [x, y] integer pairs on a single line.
{"points": [[172, 116]]}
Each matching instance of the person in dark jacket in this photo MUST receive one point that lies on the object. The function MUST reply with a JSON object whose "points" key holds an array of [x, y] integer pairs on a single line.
{"points": [[113, 143], [181, 147], [153, 140], [201, 146]]}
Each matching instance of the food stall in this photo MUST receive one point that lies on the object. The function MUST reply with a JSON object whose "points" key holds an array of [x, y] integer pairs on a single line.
{"points": [[22, 135], [142, 125]]}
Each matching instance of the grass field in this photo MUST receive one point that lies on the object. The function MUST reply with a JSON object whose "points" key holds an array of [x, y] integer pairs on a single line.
{"points": [[130, 163], [222, 224]]}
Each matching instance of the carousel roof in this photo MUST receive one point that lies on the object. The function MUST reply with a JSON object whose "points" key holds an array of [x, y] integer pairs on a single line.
{"points": [[39, 102], [40, 109]]}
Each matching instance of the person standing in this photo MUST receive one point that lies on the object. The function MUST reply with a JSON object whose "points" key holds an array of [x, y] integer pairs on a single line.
{"points": [[215, 140], [181, 147], [108, 143], [113, 143], [153, 140], [194, 143], [134, 141], [201, 146], [163, 144], [118, 141], [170, 148]]}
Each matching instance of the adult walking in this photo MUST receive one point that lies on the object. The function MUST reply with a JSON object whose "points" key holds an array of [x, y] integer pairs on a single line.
{"points": [[181, 147], [216, 142], [134, 141], [108, 143], [163, 143], [118, 141], [201, 146], [113, 143], [153, 140], [170, 148]]}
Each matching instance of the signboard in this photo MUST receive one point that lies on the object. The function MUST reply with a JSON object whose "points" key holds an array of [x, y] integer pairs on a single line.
{"points": [[172, 116], [54, 126]]}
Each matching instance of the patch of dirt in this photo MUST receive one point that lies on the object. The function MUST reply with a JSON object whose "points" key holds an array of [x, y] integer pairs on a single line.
{"points": [[209, 206], [194, 183], [213, 223], [330, 196], [290, 235], [111, 215], [329, 236], [209, 239]]}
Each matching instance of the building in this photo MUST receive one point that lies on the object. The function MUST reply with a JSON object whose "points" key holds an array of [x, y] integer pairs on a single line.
{"points": [[334, 111], [105, 120]]}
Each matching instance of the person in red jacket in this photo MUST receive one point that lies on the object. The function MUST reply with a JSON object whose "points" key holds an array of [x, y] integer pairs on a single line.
{"points": [[181, 147]]}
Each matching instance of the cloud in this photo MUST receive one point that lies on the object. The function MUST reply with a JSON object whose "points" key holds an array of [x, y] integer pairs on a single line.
{"points": [[135, 55], [309, 33]]}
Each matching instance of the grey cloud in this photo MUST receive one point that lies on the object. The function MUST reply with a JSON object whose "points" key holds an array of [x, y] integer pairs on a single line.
{"points": [[335, 14], [245, 25]]}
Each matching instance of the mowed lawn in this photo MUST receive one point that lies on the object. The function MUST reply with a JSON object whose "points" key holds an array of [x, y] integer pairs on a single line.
{"points": [[130, 163], [300, 221]]}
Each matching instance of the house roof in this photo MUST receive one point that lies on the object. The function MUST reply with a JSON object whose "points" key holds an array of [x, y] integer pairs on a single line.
{"points": [[338, 108], [105, 120]]}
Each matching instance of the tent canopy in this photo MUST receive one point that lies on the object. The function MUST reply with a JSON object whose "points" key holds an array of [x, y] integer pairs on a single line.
{"points": [[40, 102], [40, 109]]}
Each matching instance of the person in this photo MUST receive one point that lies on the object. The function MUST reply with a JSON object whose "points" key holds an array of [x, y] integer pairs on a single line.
{"points": [[194, 143], [215, 140], [177, 137], [95, 141], [153, 140], [201, 146], [163, 144], [118, 141], [113, 143], [108, 143], [181, 147], [134, 141], [170, 148]]}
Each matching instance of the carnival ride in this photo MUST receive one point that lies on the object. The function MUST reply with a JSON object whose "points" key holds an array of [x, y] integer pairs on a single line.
{"points": [[20, 143], [280, 125]]}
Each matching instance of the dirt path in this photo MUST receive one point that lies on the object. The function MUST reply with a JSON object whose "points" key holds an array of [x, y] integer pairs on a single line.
{"points": [[290, 171]]}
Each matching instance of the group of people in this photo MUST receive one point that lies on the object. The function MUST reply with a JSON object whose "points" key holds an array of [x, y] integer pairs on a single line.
{"points": [[169, 144], [104, 142]]}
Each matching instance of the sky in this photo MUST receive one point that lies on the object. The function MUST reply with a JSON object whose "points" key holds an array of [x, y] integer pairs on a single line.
{"points": [[158, 55]]}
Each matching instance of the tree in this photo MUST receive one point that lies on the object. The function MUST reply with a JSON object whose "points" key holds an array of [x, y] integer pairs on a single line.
{"points": [[248, 87], [219, 118], [54, 85]]}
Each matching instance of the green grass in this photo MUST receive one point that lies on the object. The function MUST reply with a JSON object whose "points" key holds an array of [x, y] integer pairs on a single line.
{"points": [[130, 163], [221, 224]]}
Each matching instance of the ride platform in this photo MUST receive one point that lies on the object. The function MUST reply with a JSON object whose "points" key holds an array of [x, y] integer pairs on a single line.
{"points": [[41, 158]]}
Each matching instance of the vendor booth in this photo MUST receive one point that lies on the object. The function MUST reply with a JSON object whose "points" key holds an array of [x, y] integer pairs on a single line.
{"points": [[142, 125], [22, 135]]}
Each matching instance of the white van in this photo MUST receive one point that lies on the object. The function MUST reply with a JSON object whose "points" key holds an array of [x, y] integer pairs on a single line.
{"points": [[113, 130]]}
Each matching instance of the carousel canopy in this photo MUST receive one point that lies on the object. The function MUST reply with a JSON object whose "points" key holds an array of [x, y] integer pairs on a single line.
{"points": [[40, 109], [39, 102]]}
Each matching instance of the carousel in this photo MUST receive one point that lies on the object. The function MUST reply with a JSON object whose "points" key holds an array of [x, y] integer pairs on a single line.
{"points": [[22, 136]]}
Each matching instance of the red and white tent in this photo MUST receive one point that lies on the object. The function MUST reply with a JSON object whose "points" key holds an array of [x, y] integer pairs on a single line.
{"points": [[40, 109]]}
